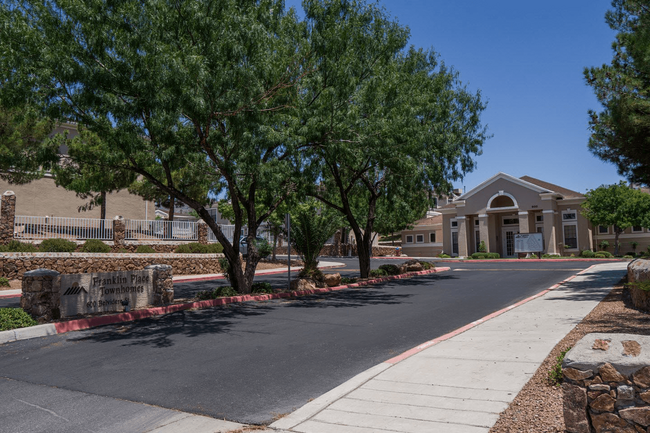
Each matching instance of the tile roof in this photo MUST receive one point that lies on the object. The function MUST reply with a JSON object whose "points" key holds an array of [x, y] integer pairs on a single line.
{"points": [[567, 193]]}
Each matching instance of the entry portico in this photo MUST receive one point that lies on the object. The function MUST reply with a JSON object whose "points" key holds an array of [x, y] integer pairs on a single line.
{"points": [[503, 206]]}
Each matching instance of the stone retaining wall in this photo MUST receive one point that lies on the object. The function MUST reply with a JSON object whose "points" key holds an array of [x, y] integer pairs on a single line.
{"points": [[637, 271], [607, 384], [14, 265], [330, 250]]}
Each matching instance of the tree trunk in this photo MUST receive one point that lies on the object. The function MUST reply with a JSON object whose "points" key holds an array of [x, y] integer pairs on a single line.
{"points": [[275, 244], [172, 206], [102, 211], [616, 234], [364, 252]]}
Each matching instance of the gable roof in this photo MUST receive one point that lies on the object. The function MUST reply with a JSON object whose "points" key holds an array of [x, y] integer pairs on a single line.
{"points": [[566, 193], [501, 175]]}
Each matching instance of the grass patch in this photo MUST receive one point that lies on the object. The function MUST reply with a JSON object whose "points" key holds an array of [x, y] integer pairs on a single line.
{"points": [[4, 282]]}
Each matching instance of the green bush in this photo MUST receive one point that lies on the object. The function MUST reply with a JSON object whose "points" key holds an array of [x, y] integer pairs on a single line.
{"points": [[261, 287], [607, 254], [57, 246], [346, 280], [477, 256], [15, 246], [444, 256], [315, 274], [555, 376], [390, 269], [604, 245], [600, 255], [4, 282], [493, 256], [426, 265], [627, 256], [481, 247], [95, 246], [376, 273], [219, 292], [197, 248], [12, 318], [144, 249], [264, 249], [587, 254]]}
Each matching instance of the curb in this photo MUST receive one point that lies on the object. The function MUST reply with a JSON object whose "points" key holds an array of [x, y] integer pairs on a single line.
{"points": [[272, 272], [317, 405], [79, 324], [27, 333]]}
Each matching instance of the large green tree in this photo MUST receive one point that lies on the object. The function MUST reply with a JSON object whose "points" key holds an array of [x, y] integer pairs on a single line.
{"points": [[619, 206], [205, 85], [620, 133], [382, 124]]}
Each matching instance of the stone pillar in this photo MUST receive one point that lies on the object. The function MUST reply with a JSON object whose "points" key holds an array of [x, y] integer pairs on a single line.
{"points": [[484, 229], [524, 225], [203, 232], [550, 235], [7, 216], [41, 297], [118, 231], [462, 236], [163, 285]]}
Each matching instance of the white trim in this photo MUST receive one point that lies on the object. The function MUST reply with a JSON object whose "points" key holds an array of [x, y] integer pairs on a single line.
{"points": [[567, 224], [416, 238], [483, 215], [461, 218], [523, 213], [459, 203], [425, 244], [549, 211], [499, 194], [504, 176], [569, 211], [549, 195]]}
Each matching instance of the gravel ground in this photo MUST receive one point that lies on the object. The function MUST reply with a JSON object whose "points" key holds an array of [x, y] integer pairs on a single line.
{"points": [[538, 407]]}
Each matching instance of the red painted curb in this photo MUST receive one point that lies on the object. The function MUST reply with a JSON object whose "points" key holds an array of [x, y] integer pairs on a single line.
{"points": [[18, 295], [79, 324], [469, 326], [530, 260], [221, 277]]}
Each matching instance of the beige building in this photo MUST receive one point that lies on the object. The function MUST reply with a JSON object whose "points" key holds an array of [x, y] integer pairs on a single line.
{"points": [[425, 238], [503, 206], [43, 198]]}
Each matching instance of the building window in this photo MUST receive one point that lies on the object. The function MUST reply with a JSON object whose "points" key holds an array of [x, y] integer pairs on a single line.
{"points": [[539, 218], [637, 229], [432, 237], [571, 236], [477, 239], [476, 222], [419, 239], [454, 223], [454, 243], [603, 230], [568, 215], [409, 239], [510, 221]]}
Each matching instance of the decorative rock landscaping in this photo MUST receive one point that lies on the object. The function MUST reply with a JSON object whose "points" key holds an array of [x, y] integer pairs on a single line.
{"points": [[607, 384]]}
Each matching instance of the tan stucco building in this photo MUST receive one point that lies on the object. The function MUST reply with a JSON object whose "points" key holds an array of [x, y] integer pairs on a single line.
{"points": [[425, 238], [503, 206]]}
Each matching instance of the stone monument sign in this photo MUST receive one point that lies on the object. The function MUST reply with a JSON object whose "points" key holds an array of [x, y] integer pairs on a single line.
{"points": [[106, 292]]}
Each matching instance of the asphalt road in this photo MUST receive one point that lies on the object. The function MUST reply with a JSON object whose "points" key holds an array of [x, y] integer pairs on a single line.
{"points": [[254, 361]]}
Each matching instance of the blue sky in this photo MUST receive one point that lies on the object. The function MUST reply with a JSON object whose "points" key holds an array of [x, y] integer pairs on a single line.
{"points": [[527, 59]]}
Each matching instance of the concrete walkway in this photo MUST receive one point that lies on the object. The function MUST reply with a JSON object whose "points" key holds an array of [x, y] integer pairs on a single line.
{"points": [[462, 383]]}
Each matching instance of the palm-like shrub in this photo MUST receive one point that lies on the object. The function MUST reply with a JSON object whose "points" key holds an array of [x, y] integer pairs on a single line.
{"points": [[309, 232]]}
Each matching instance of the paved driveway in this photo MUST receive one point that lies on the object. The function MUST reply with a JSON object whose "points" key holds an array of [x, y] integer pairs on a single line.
{"points": [[252, 362]]}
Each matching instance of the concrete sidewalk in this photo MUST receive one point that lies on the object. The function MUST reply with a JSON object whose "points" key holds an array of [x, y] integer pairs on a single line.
{"points": [[462, 383]]}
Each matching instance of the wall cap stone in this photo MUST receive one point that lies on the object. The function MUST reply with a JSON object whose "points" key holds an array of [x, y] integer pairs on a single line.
{"points": [[41, 273], [159, 267], [584, 357]]}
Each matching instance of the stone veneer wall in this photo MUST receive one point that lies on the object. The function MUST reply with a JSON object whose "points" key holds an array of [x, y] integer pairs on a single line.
{"points": [[330, 250], [607, 384], [14, 265], [639, 270], [41, 297]]}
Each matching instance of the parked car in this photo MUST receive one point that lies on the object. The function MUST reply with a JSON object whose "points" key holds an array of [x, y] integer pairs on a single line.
{"points": [[243, 245]]}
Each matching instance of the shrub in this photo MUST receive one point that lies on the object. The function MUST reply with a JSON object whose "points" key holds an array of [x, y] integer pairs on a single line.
{"points": [[627, 256], [426, 265], [493, 256], [219, 292], [600, 255], [309, 232], [15, 246], [604, 245], [479, 255], [144, 249], [481, 247], [313, 273], [555, 376], [95, 246], [390, 269], [12, 318], [587, 254], [4, 282], [607, 254], [346, 280], [57, 246], [444, 256], [376, 273], [630, 253], [264, 249], [197, 248], [261, 287], [123, 250]]}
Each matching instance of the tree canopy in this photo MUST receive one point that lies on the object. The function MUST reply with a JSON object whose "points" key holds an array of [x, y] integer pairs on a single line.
{"points": [[620, 133], [619, 206]]}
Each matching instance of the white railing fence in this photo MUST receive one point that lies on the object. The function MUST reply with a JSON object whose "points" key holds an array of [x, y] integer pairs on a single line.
{"points": [[229, 230], [37, 227], [159, 230]]}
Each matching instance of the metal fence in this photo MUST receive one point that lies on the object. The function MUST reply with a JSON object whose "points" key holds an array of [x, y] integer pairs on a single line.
{"points": [[45, 227], [160, 230], [229, 231]]}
